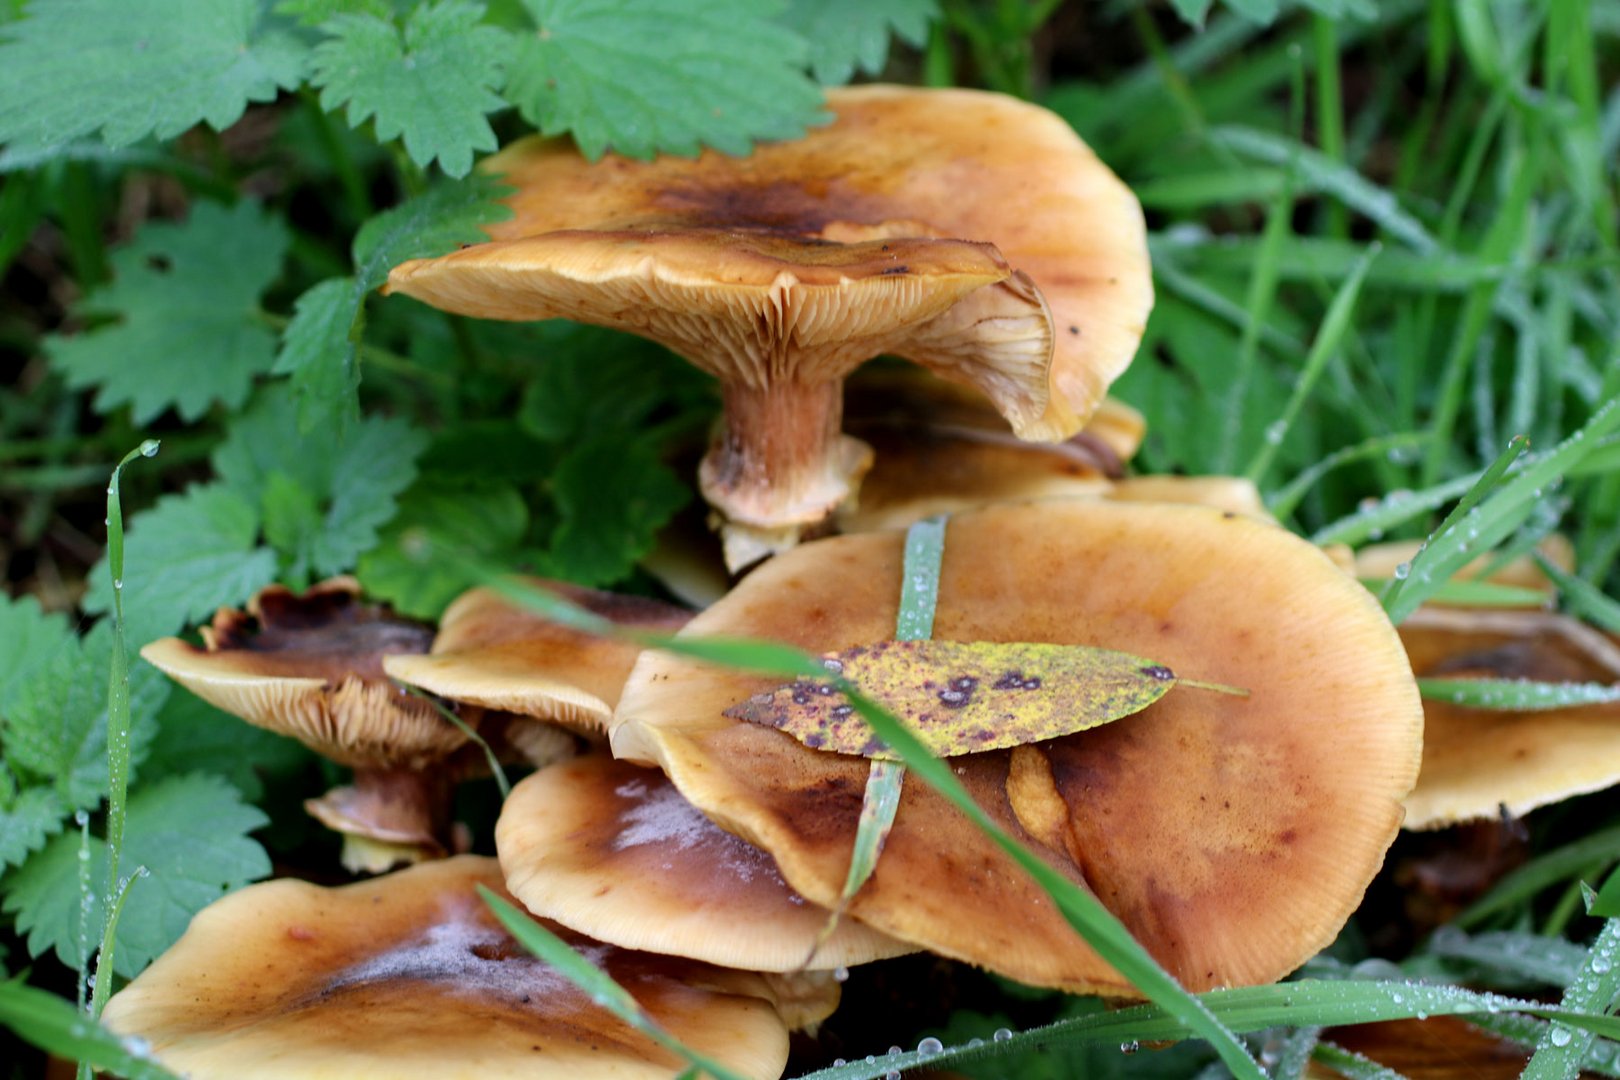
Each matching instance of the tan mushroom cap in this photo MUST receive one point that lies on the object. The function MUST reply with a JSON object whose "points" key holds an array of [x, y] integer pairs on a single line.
{"points": [[969, 232], [410, 975], [494, 653], [1234, 494], [612, 850], [310, 665], [1476, 761], [1232, 836]]}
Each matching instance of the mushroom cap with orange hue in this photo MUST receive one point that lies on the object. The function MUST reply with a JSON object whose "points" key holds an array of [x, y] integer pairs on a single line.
{"points": [[1477, 761], [612, 850], [310, 666], [896, 164], [410, 975], [492, 652], [1232, 836], [1233, 494]]}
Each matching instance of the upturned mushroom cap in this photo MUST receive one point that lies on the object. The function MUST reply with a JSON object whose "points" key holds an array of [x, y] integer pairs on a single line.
{"points": [[494, 653], [310, 665], [1477, 761], [969, 232], [410, 975], [1233, 836], [612, 850]]}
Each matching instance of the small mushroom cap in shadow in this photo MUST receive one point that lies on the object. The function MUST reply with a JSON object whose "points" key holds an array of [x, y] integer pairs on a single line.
{"points": [[1478, 761], [1233, 836], [310, 666], [494, 653], [410, 975], [612, 850]]}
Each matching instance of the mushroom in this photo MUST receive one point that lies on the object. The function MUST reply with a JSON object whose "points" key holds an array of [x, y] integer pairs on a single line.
{"points": [[310, 666], [1383, 561], [495, 654], [1479, 763], [410, 975], [969, 232], [1233, 836], [612, 850]]}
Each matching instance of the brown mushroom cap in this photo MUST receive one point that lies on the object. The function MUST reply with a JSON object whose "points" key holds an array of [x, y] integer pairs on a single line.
{"points": [[1232, 836], [494, 653], [783, 271], [612, 850], [1476, 761], [410, 975], [1234, 494], [310, 665]]}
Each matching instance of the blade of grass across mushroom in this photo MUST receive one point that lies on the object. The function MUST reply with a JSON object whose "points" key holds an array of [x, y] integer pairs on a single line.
{"points": [[1485, 516], [880, 801], [466, 729], [52, 1024], [1586, 599], [595, 982], [1304, 1003], [1093, 922], [1517, 695]]}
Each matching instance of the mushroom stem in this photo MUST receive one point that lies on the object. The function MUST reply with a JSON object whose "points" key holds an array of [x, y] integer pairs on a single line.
{"points": [[388, 816], [780, 457]]}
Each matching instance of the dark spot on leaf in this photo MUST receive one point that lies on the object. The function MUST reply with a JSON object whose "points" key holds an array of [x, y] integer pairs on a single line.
{"points": [[841, 711], [1159, 672]]}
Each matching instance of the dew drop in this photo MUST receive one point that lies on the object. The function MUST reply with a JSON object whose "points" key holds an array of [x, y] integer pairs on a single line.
{"points": [[149, 448], [1559, 1035], [929, 1047], [1001, 1035], [841, 974]]}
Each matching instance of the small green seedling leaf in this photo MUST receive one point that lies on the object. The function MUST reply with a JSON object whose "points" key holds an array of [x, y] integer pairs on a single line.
{"points": [[53, 1025], [962, 697]]}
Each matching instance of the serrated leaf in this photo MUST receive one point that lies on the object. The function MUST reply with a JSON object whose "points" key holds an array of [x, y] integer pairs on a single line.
{"points": [[355, 480], [33, 817], [845, 35], [186, 298], [962, 697], [433, 84], [612, 497], [189, 832], [57, 731], [439, 220], [589, 381], [1192, 12], [189, 554], [128, 70], [292, 524], [486, 520], [641, 77], [29, 638], [194, 736], [315, 12], [320, 350]]}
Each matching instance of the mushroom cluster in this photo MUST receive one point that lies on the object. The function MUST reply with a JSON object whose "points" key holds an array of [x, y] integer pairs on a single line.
{"points": [[696, 855]]}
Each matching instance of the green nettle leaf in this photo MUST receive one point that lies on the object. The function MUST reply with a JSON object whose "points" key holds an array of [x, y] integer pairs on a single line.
{"points": [[191, 835], [612, 496], [74, 67], [487, 520], [186, 299], [28, 820], [439, 220], [320, 350], [57, 731], [185, 557], [432, 85], [589, 381], [194, 736], [962, 697], [1263, 12], [1192, 12], [315, 12], [354, 478], [641, 77], [848, 34], [29, 638]]}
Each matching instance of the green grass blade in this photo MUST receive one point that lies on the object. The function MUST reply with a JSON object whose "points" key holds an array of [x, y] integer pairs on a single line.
{"points": [[55, 1026], [1392, 511], [1558, 1055], [1555, 867], [1475, 594], [1486, 524], [595, 982], [1515, 695], [1582, 597], [1351, 1064], [1334, 326], [466, 729], [1286, 500]]}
